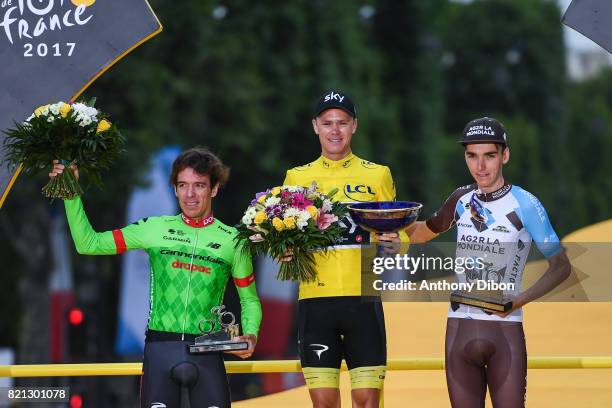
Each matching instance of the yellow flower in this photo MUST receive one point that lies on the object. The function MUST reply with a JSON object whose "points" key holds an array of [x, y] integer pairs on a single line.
{"points": [[40, 109], [262, 199], [276, 191], [65, 109], [278, 224], [103, 126], [289, 222], [312, 210], [260, 217]]}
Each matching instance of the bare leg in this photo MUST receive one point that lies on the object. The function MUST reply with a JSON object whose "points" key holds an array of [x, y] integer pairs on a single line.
{"points": [[365, 397], [325, 397]]}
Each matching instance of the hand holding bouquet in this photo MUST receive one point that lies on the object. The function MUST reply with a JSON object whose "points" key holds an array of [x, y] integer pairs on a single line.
{"points": [[75, 133], [292, 218]]}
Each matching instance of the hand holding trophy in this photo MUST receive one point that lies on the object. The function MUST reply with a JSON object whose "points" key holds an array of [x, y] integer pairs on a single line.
{"points": [[222, 333]]}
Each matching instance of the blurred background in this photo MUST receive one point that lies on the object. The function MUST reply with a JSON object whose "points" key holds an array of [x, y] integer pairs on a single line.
{"points": [[241, 77]]}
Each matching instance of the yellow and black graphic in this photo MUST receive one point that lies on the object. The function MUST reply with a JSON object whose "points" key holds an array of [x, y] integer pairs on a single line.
{"points": [[53, 50]]}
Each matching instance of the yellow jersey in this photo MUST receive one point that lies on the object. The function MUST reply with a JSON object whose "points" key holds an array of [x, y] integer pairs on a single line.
{"points": [[339, 270]]}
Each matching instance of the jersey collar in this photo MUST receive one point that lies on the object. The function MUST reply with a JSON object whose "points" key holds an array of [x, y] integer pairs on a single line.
{"points": [[494, 195], [336, 164], [204, 222]]}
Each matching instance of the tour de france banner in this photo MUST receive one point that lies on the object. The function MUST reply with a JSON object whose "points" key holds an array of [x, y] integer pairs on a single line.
{"points": [[52, 50]]}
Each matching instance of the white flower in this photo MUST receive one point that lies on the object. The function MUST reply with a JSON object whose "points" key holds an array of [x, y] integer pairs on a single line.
{"points": [[82, 110], [32, 116], [270, 201], [86, 121], [327, 206], [50, 119], [45, 111], [302, 219], [92, 113], [249, 214], [293, 189], [55, 108], [79, 107], [291, 212]]}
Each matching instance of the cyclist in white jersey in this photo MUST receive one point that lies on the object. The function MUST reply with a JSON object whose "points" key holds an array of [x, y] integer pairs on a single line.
{"points": [[497, 222]]}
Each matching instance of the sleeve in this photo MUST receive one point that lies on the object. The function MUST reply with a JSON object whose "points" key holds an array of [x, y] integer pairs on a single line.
{"points": [[536, 222], [387, 186], [288, 179], [443, 219], [244, 279], [90, 242], [387, 193]]}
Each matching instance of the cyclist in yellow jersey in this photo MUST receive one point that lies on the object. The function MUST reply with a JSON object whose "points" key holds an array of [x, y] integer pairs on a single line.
{"points": [[335, 322], [357, 180]]}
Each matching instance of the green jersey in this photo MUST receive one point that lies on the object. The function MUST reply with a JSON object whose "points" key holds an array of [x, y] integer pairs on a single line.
{"points": [[191, 262]]}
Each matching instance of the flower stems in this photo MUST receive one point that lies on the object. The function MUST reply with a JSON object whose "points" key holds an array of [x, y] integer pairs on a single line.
{"points": [[64, 186]]}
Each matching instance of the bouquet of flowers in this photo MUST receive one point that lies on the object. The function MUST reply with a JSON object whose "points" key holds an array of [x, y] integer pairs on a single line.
{"points": [[292, 218], [74, 133]]}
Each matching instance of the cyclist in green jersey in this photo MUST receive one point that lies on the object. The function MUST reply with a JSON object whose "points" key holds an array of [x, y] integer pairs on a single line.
{"points": [[192, 256]]}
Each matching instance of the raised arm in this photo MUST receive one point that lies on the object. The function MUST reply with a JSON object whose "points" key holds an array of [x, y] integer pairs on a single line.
{"points": [[90, 242]]}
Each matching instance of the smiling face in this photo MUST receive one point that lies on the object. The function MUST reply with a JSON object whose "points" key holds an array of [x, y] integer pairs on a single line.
{"points": [[335, 128], [485, 162], [194, 193]]}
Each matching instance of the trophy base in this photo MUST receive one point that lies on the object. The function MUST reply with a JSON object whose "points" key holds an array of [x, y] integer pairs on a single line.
{"points": [[218, 346], [483, 302]]}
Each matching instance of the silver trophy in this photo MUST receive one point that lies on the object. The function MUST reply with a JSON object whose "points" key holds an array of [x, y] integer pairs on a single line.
{"points": [[218, 332]]}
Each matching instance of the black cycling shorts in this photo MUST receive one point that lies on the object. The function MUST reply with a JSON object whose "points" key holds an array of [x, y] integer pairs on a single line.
{"points": [[481, 354], [162, 353], [349, 327]]}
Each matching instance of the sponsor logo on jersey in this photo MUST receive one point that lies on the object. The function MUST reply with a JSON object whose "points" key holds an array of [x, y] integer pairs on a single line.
{"points": [[182, 254], [347, 163], [177, 232], [213, 245], [359, 192], [464, 225], [480, 244], [501, 228], [185, 240], [368, 164], [190, 266], [224, 229], [480, 240]]}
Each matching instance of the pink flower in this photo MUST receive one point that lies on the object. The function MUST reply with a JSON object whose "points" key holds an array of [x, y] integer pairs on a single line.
{"points": [[298, 200], [256, 238], [325, 220]]}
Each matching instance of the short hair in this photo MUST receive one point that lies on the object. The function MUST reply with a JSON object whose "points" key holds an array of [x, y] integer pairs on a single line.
{"points": [[203, 162]]}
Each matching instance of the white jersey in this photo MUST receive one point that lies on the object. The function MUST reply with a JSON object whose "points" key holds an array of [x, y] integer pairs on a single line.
{"points": [[498, 228]]}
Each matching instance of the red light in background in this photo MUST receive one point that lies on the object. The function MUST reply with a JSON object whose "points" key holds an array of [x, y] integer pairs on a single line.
{"points": [[75, 316], [76, 401]]}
